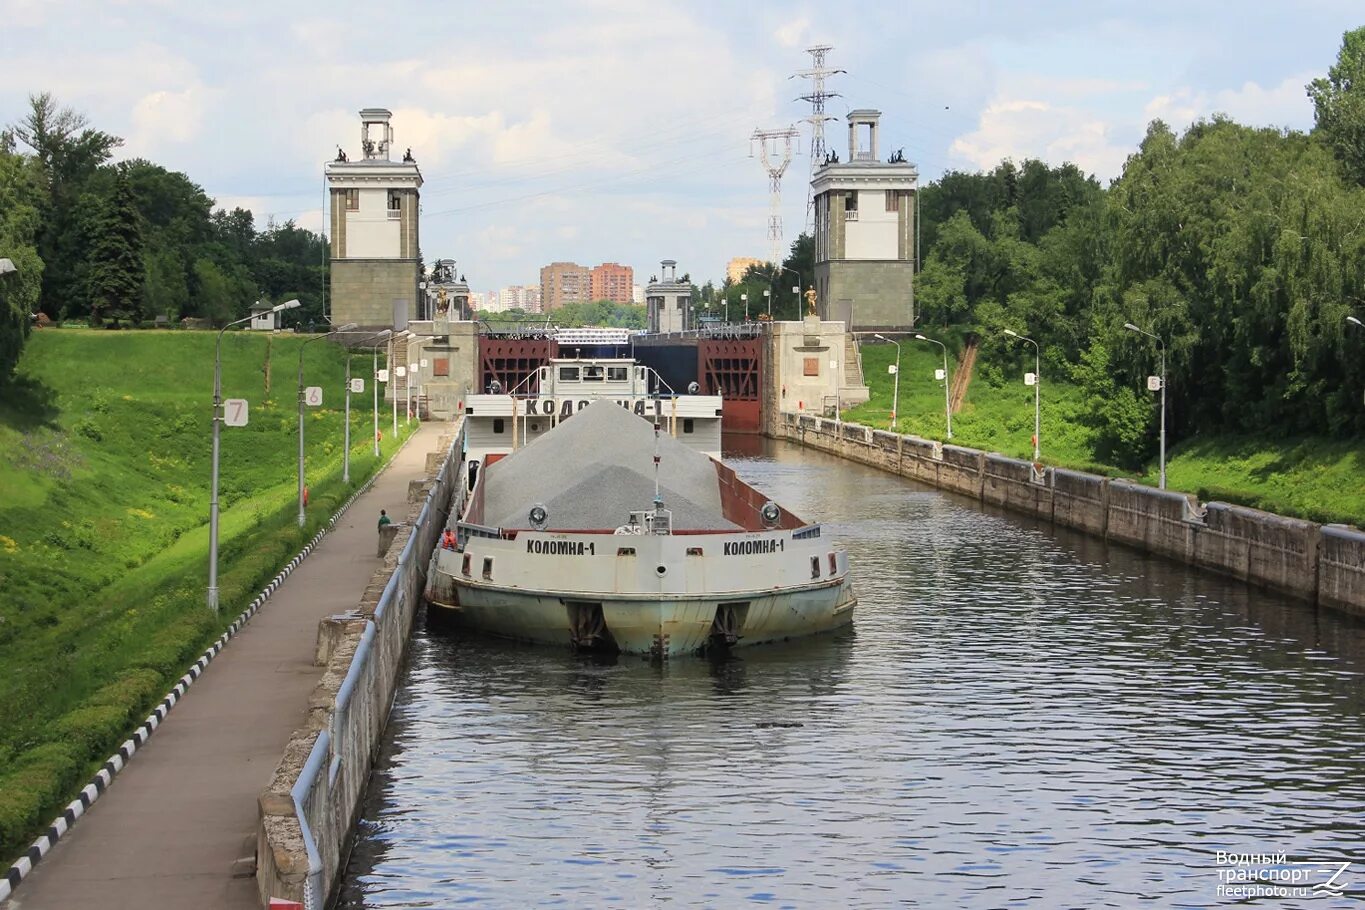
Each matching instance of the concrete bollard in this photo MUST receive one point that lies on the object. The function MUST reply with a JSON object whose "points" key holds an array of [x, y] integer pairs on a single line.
{"points": [[334, 629], [386, 535]]}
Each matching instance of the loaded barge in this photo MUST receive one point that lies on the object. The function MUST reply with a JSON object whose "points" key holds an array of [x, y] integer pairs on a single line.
{"points": [[601, 517]]}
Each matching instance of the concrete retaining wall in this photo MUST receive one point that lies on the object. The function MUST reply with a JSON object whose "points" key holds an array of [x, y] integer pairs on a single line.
{"points": [[308, 811], [1341, 580], [1324, 564]]}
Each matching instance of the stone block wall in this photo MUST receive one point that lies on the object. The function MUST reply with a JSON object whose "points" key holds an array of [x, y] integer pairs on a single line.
{"points": [[1341, 569], [881, 293], [1009, 482], [363, 290], [1323, 564]]}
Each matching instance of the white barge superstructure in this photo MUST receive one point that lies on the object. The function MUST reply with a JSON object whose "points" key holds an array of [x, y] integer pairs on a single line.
{"points": [[600, 516]]}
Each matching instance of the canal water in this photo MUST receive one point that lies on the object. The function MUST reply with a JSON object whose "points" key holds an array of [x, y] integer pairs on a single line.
{"points": [[1020, 716]]}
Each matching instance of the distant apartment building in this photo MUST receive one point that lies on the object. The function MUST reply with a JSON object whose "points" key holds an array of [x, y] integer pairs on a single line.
{"points": [[735, 268], [530, 299], [637, 295], [613, 281], [517, 297], [484, 301], [564, 282]]}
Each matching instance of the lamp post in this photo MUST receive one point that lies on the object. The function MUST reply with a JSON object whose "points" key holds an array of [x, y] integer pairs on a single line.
{"points": [[1037, 381], [768, 300], [393, 376], [1356, 322], [947, 400], [725, 301], [796, 289], [745, 298], [345, 328], [374, 379], [896, 387], [1161, 346], [212, 598]]}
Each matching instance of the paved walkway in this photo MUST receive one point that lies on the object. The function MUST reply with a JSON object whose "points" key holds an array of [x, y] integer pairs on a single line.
{"points": [[167, 832]]}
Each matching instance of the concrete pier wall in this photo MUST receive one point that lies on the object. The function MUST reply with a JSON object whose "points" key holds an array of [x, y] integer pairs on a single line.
{"points": [[308, 811], [1321, 563]]}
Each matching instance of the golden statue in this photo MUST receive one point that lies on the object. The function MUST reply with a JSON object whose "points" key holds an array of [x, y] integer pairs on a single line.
{"points": [[810, 302]]}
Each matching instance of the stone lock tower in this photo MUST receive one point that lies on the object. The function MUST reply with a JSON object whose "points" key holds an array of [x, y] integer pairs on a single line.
{"points": [[669, 301], [373, 227], [865, 233]]}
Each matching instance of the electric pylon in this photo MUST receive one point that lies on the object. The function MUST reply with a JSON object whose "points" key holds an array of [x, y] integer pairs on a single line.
{"points": [[817, 96], [767, 140]]}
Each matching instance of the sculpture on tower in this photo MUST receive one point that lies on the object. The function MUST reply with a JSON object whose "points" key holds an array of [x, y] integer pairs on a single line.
{"points": [[810, 302]]}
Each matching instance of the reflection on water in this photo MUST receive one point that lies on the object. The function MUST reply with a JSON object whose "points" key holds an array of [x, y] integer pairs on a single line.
{"points": [[1017, 716]]}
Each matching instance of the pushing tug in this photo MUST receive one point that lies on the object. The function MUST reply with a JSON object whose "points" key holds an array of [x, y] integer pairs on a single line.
{"points": [[600, 516]]}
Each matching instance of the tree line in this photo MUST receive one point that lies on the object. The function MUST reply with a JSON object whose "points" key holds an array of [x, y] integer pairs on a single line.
{"points": [[1241, 248], [122, 243]]}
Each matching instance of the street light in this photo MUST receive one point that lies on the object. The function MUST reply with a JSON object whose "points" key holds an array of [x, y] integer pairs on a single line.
{"points": [[337, 331], [796, 289], [1350, 319], [726, 302], [745, 298], [947, 401], [1037, 381], [1161, 346], [768, 299], [895, 389], [374, 379], [217, 428]]}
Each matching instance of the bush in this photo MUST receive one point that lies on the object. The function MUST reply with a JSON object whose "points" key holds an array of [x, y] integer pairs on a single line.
{"points": [[33, 791], [88, 428], [88, 730]]}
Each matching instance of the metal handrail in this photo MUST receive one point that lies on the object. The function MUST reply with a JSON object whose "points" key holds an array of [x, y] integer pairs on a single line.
{"points": [[325, 751]]}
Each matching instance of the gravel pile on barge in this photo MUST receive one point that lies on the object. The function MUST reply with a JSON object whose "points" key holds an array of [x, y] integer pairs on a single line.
{"points": [[596, 468]]}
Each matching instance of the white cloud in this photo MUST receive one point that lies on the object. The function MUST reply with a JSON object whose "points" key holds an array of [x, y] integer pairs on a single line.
{"points": [[17, 14], [793, 32], [166, 116], [1284, 105], [1020, 128]]}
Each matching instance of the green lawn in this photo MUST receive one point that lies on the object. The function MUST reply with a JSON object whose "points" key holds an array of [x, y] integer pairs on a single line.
{"points": [[997, 418], [1321, 479], [104, 489]]}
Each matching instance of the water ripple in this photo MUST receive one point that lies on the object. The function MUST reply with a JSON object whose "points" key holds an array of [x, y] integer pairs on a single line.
{"points": [[1019, 717]]}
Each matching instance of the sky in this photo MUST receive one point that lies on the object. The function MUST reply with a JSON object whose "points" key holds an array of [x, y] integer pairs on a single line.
{"points": [[612, 131]]}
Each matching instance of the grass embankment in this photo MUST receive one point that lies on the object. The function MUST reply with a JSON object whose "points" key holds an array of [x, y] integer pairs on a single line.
{"points": [[1319, 479], [997, 414], [104, 489]]}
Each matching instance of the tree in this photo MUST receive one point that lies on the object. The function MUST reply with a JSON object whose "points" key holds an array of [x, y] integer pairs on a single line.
{"points": [[69, 153], [116, 272], [21, 193], [165, 289], [212, 292], [1339, 105]]}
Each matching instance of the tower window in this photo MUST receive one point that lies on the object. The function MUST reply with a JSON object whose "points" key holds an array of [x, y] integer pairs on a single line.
{"points": [[892, 200], [851, 201], [395, 200], [352, 198]]}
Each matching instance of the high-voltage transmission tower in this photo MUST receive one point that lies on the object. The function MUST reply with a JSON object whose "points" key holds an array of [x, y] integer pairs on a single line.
{"points": [[817, 96], [767, 140]]}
